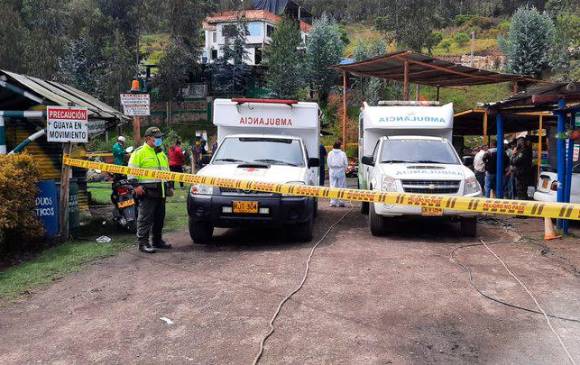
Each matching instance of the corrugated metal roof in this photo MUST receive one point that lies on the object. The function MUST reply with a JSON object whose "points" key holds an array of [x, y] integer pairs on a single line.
{"points": [[60, 94], [427, 70]]}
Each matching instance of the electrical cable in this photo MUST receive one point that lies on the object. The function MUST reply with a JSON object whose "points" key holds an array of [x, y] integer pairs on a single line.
{"points": [[529, 292], [306, 271], [494, 299]]}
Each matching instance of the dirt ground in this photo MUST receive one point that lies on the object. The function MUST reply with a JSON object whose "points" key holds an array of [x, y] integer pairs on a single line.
{"points": [[399, 299]]}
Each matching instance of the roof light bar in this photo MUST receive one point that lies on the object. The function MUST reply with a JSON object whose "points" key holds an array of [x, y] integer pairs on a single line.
{"points": [[264, 101]]}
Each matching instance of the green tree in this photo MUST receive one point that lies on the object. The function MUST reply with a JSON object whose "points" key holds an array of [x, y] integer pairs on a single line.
{"points": [[410, 23], [565, 54], [371, 89], [12, 37], [179, 61], [283, 58], [528, 43], [324, 48], [230, 74]]}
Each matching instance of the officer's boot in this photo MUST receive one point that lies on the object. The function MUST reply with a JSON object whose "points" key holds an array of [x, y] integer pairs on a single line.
{"points": [[146, 247]]}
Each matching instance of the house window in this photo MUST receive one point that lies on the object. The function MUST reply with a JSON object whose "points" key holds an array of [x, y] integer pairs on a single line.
{"points": [[214, 54], [214, 36], [255, 29], [269, 30], [258, 56], [229, 30]]}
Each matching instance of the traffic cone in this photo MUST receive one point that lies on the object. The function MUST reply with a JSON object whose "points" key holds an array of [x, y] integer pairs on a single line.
{"points": [[549, 231]]}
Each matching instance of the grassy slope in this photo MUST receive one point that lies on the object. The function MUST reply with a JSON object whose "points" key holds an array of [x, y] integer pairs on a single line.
{"points": [[55, 262]]}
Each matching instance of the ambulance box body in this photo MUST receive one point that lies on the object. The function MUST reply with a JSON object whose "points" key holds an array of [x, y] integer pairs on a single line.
{"points": [[405, 147], [263, 140]]}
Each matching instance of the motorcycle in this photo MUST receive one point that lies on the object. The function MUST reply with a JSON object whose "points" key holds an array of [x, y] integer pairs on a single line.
{"points": [[124, 205]]}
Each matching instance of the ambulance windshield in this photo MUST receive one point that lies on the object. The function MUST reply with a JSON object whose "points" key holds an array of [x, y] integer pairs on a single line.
{"points": [[418, 151], [267, 151]]}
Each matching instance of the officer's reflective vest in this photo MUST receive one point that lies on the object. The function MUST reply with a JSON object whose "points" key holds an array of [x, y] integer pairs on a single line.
{"points": [[145, 157]]}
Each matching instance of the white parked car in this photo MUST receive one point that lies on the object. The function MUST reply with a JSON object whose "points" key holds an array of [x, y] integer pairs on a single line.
{"points": [[547, 189]]}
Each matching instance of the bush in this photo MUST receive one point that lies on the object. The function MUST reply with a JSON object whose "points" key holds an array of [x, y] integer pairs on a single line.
{"points": [[18, 222], [462, 19], [445, 44], [461, 39]]}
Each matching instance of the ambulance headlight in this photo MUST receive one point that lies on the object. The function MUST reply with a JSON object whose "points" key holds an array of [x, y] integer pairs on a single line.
{"points": [[294, 183], [471, 186], [200, 189], [389, 184]]}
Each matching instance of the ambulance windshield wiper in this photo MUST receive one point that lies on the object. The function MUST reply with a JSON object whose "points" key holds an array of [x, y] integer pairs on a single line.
{"points": [[429, 161], [276, 162], [234, 160], [396, 161]]}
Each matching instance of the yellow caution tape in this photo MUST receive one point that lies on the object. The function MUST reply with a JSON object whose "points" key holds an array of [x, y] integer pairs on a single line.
{"points": [[459, 203]]}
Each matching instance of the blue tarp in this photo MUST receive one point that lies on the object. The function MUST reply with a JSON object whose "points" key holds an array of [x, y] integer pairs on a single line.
{"points": [[273, 6]]}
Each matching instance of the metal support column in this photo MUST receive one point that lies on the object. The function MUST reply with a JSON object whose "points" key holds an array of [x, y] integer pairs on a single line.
{"points": [[569, 170], [2, 136], [406, 81], [499, 160], [561, 153], [344, 111]]}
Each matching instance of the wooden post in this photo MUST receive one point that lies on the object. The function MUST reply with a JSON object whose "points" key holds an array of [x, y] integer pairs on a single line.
{"points": [[417, 90], [64, 195], [344, 111], [540, 147], [406, 81], [438, 93], [515, 87], [137, 131], [485, 136]]}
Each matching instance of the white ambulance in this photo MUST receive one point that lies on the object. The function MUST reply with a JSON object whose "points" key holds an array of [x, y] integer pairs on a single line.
{"points": [[405, 147], [262, 140]]}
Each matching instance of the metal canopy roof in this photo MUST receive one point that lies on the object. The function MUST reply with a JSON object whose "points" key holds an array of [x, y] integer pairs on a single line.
{"points": [[539, 98], [426, 70], [53, 93], [471, 122]]}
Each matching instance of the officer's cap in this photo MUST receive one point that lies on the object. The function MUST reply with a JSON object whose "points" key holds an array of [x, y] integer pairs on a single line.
{"points": [[153, 132]]}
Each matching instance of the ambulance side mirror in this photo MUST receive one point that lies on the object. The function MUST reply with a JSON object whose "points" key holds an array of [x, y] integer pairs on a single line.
{"points": [[313, 162], [368, 160]]}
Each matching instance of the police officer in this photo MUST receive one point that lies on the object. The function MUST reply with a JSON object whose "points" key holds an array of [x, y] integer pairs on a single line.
{"points": [[151, 192]]}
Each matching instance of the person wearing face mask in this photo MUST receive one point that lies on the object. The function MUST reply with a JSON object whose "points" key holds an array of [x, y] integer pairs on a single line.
{"points": [[151, 192]]}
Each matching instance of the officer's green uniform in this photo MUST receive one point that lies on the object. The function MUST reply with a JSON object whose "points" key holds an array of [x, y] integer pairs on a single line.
{"points": [[152, 204]]}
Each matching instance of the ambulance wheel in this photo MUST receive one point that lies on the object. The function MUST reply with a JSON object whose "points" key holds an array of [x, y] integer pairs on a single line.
{"points": [[303, 232], [364, 208], [200, 232], [376, 222], [469, 226]]}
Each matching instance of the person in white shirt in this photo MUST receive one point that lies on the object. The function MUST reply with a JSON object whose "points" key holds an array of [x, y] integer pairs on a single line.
{"points": [[479, 165], [337, 164]]}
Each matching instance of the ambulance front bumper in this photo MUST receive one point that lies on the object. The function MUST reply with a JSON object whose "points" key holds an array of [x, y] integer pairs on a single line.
{"points": [[272, 210]]}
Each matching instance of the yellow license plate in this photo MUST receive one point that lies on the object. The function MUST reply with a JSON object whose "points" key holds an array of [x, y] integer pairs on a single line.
{"points": [[545, 183], [431, 212], [126, 203], [245, 207]]}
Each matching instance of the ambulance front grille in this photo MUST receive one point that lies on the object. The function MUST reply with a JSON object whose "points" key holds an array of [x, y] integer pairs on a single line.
{"points": [[431, 186], [233, 192]]}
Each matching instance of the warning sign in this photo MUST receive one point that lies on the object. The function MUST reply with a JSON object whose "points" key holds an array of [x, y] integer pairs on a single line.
{"points": [[67, 124], [135, 105]]}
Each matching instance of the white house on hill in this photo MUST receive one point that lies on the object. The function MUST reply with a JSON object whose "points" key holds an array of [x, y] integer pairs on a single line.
{"points": [[260, 25]]}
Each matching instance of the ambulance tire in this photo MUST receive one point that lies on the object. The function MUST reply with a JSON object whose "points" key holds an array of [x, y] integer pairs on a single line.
{"points": [[303, 232], [201, 233], [364, 208], [468, 226], [377, 223], [315, 208]]}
